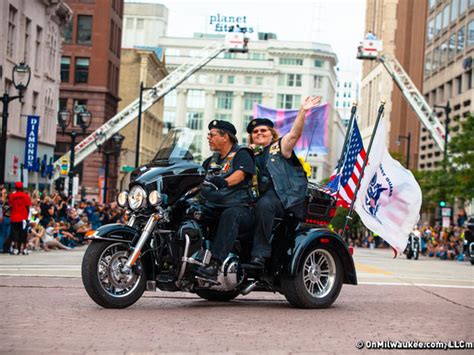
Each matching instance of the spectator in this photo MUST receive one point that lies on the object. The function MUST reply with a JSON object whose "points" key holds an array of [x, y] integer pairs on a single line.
{"points": [[20, 207]]}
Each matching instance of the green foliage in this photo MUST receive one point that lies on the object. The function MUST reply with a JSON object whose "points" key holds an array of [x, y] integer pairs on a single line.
{"points": [[402, 159], [339, 219]]}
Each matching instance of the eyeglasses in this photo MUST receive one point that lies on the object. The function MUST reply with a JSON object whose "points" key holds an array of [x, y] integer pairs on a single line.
{"points": [[255, 131], [212, 135]]}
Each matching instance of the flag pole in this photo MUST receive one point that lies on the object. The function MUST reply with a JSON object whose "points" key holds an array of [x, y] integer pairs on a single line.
{"points": [[351, 208], [350, 126]]}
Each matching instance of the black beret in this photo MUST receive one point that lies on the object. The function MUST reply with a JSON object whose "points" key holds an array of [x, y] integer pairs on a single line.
{"points": [[224, 125], [258, 122]]}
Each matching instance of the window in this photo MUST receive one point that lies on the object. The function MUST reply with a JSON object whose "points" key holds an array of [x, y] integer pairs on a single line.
{"points": [[62, 104], [39, 36], [449, 89], [140, 24], [256, 56], [460, 46], [468, 79], [247, 119], [220, 79], [67, 32], [438, 23], [11, 39], [291, 61], [224, 99], [470, 34], [82, 70], [459, 84], [289, 80], [84, 29], [287, 101], [462, 7], [224, 117], [194, 120], [432, 3], [251, 98], [129, 23], [79, 106], [169, 118], [259, 80], [195, 147], [318, 63], [444, 53], [445, 16], [454, 10], [451, 47], [248, 80], [435, 62], [26, 49], [170, 99], [195, 99], [317, 82], [65, 67], [230, 79]]}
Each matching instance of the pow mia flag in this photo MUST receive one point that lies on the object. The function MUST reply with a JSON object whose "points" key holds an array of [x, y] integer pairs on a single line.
{"points": [[31, 145]]}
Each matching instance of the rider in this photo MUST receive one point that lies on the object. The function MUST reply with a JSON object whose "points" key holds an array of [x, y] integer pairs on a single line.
{"points": [[230, 202], [282, 182]]}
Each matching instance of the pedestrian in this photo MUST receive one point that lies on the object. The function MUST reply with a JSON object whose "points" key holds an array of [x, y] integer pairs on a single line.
{"points": [[20, 203], [4, 221]]}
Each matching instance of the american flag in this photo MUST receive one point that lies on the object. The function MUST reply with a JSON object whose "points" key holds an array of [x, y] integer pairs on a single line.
{"points": [[344, 183]]}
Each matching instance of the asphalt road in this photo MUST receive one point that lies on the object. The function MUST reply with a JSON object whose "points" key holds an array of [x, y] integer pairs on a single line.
{"points": [[46, 310]]}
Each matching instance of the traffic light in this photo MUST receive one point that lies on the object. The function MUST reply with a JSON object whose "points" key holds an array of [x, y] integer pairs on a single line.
{"points": [[442, 203]]}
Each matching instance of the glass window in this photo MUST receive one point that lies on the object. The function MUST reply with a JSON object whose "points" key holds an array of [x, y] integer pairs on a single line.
{"points": [[140, 24], [256, 56], [251, 98], [444, 53], [195, 148], [169, 118], [438, 23], [451, 47], [470, 34], [454, 10], [460, 46], [432, 3], [170, 98], [230, 79], [223, 117], [291, 61], [318, 63], [462, 7], [67, 32], [287, 101], [194, 120], [224, 99], [317, 82], [65, 67], [195, 99], [445, 16], [220, 79], [259, 80], [289, 80], [84, 29], [459, 84], [129, 23], [435, 61], [79, 106], [82, 70], [248, 80]]}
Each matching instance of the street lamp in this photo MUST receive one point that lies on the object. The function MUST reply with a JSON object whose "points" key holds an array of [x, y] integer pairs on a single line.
{"points": [[84, 120], [113, 147], [408, 138], [447, 111], [21, 76], [140, 102]]}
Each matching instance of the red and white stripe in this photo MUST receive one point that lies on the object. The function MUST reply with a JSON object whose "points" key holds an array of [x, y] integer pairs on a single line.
{"points": [[346, 193]]}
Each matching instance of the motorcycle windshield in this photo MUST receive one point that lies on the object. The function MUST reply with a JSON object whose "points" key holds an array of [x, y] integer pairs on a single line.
{"points": [[177, 145]]}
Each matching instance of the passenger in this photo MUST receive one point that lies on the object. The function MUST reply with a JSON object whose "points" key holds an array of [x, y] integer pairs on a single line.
{"points": [[371, 36], [230, 203], [282, 182]]}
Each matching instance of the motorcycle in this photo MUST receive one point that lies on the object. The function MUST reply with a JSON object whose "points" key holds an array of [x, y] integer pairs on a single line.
{"points": [[469, 239], [413, 247], [169, 231]]}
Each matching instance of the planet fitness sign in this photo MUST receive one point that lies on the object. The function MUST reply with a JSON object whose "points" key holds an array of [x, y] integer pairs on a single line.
{"points": [[224, 23]]}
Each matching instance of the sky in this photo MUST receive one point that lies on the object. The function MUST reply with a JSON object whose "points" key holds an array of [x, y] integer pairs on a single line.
{"points": [[339, 23]]}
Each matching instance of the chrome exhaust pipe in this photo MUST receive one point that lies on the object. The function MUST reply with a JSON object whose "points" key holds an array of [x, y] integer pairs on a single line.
{"points": [[249, 288]]}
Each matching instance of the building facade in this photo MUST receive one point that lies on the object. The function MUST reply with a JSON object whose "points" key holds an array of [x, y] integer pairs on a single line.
{"points": [[273, 73], [144, 24], [141, 66], [31, 32], [90, 67], [347, 93], [400, 25], [448, 68]]}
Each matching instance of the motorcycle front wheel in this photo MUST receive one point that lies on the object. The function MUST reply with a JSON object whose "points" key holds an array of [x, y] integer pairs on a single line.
{"points": [[318, 281], [103, 278], [416, 251]]}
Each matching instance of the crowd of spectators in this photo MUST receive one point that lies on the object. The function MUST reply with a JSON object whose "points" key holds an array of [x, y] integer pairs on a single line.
{"points": [[53, 223]]}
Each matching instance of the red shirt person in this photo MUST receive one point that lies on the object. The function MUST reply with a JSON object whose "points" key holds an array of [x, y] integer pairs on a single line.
{"points": [[20, 203]]}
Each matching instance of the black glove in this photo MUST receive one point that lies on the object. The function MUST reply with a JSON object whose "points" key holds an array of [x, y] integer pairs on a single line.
{"points": [[219, 181]]}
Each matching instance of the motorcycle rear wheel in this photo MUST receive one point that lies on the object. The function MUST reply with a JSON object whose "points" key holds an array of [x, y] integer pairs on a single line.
{"points": [[318, 281], [217, 296], [103, 280]]}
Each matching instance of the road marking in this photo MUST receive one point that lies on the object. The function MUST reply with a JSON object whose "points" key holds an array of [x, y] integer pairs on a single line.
{"points": [[371, 276], [371, 269], [412, 284]]}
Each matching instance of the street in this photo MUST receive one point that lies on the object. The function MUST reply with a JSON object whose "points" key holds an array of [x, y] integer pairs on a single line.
{"points": [[45, 309]]}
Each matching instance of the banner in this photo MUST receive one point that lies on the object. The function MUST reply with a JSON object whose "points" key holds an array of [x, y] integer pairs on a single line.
{"points": [[315, 132], [31, 145], [389, 199]]}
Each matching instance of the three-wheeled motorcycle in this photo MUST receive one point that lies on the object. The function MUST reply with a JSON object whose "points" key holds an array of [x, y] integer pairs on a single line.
{"points": [[169, 231]]}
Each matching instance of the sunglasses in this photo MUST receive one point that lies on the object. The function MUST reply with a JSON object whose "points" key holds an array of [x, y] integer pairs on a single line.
{"points": [[263, 130]]}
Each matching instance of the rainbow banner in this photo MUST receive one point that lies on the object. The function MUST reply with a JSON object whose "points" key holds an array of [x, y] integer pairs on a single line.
{"points": [[315, 133]]}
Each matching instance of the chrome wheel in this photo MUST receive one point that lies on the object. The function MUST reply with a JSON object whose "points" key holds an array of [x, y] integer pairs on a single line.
{"points": [[110, 273], [319, 273]]}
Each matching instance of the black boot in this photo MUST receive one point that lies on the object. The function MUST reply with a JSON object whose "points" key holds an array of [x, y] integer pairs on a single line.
{"points": [[208, 272]]}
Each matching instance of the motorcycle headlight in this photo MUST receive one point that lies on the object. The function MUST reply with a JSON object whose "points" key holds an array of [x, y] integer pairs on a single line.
{"points": [[122, 199], [136, 198], [154, 198]]}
